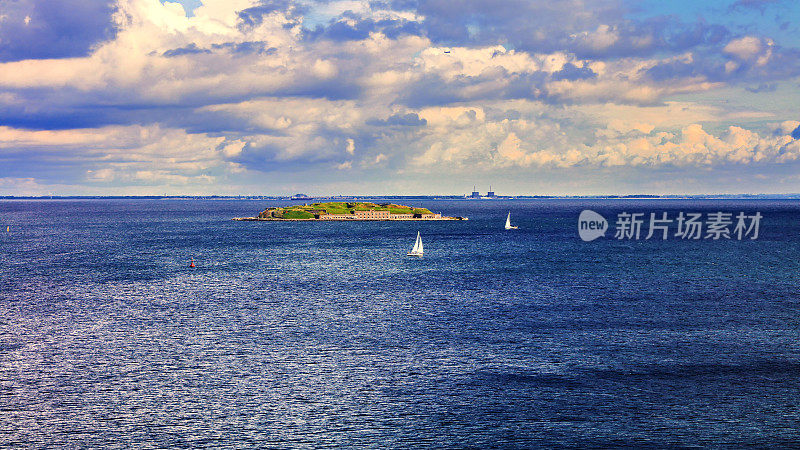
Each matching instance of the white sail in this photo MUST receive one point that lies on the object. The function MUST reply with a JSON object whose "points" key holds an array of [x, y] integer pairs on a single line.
{"points": [[417, 250], [508, 222]]}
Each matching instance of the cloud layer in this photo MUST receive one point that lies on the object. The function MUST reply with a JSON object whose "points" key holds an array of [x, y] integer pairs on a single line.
{"points": [[141, 96]]}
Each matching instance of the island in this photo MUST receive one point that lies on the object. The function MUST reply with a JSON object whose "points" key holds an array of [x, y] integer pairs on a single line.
{"points": [[346, 211]]}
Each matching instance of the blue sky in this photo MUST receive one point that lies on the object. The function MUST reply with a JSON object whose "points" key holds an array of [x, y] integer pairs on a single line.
{"points": [[399, 96]]}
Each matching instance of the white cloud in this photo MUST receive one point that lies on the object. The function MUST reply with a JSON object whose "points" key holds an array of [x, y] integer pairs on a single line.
{"points": [[600, 39], [221, 96], [149, 155], [744, 48], [522, 143]]}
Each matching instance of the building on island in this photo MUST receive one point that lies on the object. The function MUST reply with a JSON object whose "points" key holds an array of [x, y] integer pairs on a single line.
{"points": [[490, 194], [372, 214], [377, 215], [337, 217]]}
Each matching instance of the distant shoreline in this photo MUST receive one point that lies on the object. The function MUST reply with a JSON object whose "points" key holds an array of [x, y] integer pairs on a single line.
{"points": [[415, 197], [274, 219]]}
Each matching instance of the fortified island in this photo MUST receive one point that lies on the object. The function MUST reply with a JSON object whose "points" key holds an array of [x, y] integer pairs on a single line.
{"points": [[348, 211]]}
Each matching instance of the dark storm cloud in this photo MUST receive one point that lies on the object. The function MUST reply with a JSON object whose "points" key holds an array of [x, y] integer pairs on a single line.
{"points": [[254, 16], [352, 27], [672, 70], [628, 38], [516, 22], [765, 68], [433, 90], [191, 49], [572, 72], [239, 48], [31, 29], [272, 156], [340, 30], [558, 26], [538, 27]]}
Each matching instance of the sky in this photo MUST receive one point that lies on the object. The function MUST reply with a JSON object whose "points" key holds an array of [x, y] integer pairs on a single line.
{"points": [[568, 97]]}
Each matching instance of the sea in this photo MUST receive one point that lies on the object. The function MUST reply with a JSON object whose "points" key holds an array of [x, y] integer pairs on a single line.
{"points": [[325, 334]]}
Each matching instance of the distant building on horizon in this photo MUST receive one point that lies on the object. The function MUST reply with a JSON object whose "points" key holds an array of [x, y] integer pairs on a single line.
{"points": [[475, 193]]}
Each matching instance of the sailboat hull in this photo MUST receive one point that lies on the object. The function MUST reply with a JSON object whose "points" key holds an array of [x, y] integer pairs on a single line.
{"points": [[508, 223], [414, 254]]}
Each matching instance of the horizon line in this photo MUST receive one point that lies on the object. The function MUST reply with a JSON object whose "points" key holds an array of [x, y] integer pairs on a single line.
{"points": [[389, 196]]}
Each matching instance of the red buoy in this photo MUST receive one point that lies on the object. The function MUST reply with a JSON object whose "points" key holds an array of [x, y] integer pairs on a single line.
{"points": [[191, 264]]}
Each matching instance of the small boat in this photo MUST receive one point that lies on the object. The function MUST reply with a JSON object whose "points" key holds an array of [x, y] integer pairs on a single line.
{"points": [[508, 223], [417, 250]]}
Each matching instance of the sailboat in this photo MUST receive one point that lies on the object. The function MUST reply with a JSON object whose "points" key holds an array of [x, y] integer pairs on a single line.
{"points": [[417, 250], [508, 223]]}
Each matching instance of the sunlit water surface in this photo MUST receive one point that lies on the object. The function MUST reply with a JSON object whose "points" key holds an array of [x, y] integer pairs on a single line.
{"points": [[326, 334]]}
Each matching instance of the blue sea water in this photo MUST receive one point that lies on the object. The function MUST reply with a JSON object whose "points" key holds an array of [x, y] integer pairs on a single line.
{"points": [[327, 335]]}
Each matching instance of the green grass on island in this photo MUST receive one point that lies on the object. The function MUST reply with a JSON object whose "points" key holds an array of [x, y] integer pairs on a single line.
{"points": [[315, 210], [297, 214]]}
